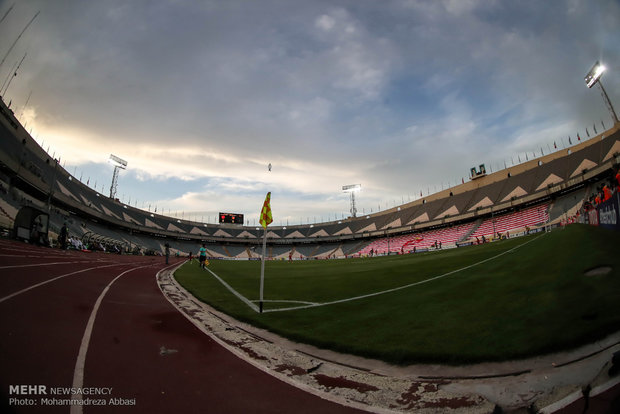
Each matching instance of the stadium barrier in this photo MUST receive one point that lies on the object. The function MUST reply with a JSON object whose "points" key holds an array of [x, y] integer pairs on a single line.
{"points": [[607, 213]]}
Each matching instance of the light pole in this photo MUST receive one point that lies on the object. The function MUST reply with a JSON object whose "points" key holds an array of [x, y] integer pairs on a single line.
{"points": [[118, 163], [354, 188], [594, 78]]}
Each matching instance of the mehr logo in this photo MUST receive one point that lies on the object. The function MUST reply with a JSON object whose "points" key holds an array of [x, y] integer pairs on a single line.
{"points": [[27, 390]]}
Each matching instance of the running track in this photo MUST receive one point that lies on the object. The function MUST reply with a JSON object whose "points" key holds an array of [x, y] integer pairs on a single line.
{"points": [[99, 320]]}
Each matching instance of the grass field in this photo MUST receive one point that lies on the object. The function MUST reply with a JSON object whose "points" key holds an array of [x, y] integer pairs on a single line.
{"points": [[499, 301]]}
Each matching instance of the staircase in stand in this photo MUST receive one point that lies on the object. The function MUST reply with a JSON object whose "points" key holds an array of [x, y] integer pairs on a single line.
{"points": [[477, 224]]}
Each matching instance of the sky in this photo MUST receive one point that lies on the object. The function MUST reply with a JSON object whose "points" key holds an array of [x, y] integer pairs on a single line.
{"points": [[400, 96]]}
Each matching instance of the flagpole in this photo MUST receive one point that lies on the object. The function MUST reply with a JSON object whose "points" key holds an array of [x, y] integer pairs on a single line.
{"points": [[262, 271], [265, 219]]}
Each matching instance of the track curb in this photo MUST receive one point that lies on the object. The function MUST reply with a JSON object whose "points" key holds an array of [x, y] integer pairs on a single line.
{"points": [[373, 386]]}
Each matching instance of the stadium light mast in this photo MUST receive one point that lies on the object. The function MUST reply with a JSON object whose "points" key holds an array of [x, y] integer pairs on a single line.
{"points": [[118, 164], [594, 78], [352, 189]]}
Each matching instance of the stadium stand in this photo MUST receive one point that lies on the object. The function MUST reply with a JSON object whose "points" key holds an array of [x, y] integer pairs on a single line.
{"points": [[307, 251], [567, 205], [325, 250], [516, 221], [439, 238], [237, 251], [539, 192]]}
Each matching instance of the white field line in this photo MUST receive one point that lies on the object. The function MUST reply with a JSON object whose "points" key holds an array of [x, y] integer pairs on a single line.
{"points": [[315, 304], [234, 292], [78, 372], [287, 301], [405, 286], [51, 280]]}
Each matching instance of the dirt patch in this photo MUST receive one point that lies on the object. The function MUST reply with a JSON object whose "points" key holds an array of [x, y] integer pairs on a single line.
{"points": [[341, 382], [291, 369], [246, 349]]}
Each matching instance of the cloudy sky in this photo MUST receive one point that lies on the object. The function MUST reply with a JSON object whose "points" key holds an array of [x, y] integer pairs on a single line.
{"points": [[399, 96]]}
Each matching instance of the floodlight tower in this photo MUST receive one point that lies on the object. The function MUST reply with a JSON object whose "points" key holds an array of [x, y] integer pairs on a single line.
{"points": [[594, 78], [352, 189], [118, 164]]}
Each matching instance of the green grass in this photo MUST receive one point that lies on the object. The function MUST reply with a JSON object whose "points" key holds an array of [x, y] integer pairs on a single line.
{"points": [[528, 301]]}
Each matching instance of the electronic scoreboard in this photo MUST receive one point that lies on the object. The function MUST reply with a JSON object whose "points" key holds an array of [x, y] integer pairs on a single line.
{"points": [[233, 218]]}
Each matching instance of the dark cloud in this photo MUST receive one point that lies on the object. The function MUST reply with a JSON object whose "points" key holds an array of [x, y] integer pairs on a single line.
{"points": [[325, 88]]}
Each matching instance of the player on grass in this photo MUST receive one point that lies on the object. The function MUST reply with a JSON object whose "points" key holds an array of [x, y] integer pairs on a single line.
{"points": [[202, 256]]}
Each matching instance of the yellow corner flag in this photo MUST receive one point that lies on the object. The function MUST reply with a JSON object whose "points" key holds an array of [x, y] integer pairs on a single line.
{"points": [[265, 220], [265, 214]]}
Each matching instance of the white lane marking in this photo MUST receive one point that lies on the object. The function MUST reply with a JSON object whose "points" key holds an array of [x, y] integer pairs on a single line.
{"points": [[43, 264], [53, 256], [78, 372], [51, 280]]}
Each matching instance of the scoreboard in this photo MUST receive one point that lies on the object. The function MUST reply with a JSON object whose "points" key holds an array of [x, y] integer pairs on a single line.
{"points": [[233, 218]]}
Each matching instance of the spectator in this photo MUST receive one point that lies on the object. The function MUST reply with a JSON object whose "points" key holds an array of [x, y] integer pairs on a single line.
{"points": [[167, 250], [606, 193], [34, 232], [62, 237]]}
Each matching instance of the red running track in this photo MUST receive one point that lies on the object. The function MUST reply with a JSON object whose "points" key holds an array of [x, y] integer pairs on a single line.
{"points": [[142, 353]]}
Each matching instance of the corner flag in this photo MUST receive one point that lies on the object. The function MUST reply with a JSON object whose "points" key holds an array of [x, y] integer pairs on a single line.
{"points": [[265, 220], [265, 215]]}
